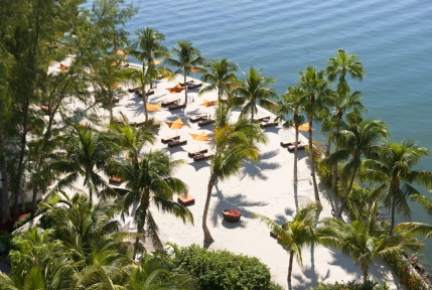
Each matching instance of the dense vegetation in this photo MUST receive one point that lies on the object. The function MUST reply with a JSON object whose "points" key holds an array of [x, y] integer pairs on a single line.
{"points": [[78, 244]]}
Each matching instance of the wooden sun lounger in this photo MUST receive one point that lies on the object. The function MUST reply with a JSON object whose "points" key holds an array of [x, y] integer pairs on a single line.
{"points": [[132, 90], [188, 83], [299, 147], [115, 100], [191, 154], [177, 106], [186, 199], [197, 118], [269, 124], [194, 86], [177, 143], [205, 122], [200, 157], [285, 144], [169, 139], [266, 119], [149, 92], [169, 102]]}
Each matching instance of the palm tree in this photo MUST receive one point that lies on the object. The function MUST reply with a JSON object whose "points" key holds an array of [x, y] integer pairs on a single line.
{"points": [[291, 103], [87, 151], [393, 169], [354, 142], [363, 240], [221, 74], [297, 234], [315, 87], [153, 272], [418, 227], [234, 143], [148, 180], [254, 90], [189, 59], [342, 64]]}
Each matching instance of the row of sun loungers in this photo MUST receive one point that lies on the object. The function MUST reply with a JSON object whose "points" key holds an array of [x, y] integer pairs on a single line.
{"points": [[169, 139], [269, 124], [291, 145], [192, 154], [191, 85], [177, 106]]}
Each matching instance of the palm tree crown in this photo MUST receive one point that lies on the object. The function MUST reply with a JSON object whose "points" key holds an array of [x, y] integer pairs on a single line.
{"points": [[221, 76]]}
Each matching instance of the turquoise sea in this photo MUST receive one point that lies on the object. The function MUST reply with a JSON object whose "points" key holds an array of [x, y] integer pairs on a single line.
{"points": [[392, 38]]}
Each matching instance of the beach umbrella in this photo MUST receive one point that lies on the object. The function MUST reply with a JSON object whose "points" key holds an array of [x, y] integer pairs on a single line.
{"points": [[209, 103], [120, 53], [157, 61], [176, 89], [153, 108], [304, 127], [177, 124], [201, 136]]}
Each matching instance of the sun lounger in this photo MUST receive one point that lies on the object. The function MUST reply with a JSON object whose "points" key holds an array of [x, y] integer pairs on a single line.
{"points": [[285, 144], [197, 118], [191, 154], [47, 109], [177, 143], [187, 83], [169, 102], [169, 139], [299, 147], [269, 124], [115, 100], [263, 119], [194, 86], [115, 179], [132, 90], [177, 106], [186, 199], [204, 156], [205, 122], [149, 92]]}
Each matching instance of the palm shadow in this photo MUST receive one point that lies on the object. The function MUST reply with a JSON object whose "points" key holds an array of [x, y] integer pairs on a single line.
{"points": [[197, 165], [254, 170]]}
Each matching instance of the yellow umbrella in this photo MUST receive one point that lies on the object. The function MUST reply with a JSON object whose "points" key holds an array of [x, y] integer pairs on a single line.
{"points": [[177, 124], [195, 69], [120, 53], [177, 89], [209, 103], [153, 108], [201, 136], [157, 61], [304, 127]]}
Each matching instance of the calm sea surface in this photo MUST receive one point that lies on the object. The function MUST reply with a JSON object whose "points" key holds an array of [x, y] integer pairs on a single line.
{"points": [[392, 38]]}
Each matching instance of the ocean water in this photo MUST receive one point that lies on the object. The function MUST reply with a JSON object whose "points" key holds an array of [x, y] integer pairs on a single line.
{"points": [[393, 40]]}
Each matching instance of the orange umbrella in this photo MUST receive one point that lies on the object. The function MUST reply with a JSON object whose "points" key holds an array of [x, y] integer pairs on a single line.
{"points": [[195, 69], [153, 108], [201, 136], [157, 61], [120, 53], [209, 103], [177, 89], [177, 124], [304, 127]]}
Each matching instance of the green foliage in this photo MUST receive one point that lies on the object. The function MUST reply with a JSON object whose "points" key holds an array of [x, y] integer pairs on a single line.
{"points": [[409, 279], [369, 285], [222, 269]]}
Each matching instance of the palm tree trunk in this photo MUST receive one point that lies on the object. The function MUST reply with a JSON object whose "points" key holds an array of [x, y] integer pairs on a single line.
{"points": [[345, 200], [335, 168], [328, 149], [312, 156], [393, 211], [144, 98], [135, 252], [5, 184], [185, 86], [290, 265], [207, 236], [296, 153], [365, 274], [110, 105]]}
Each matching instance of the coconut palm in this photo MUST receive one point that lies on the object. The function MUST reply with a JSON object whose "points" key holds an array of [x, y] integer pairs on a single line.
{"points": [[418, 227], [364, 241], [87, 151], [233, 144], [254, 91], [221, 74], [343, 64], [188, 60], [315, 100], [355, 141], [291, 103], [297, 234], [393, 169], [149, 180]]}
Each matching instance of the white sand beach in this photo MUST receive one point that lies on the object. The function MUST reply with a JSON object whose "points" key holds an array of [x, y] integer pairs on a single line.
{"points": [[265, 187]]}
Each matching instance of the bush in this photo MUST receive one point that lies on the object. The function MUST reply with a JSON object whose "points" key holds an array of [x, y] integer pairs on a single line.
{"points": [[222, 269], [369, 285]]}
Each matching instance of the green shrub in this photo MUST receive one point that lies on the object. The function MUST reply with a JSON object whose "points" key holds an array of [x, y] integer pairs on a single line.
{"points": [[369, 285], [222, 269]]}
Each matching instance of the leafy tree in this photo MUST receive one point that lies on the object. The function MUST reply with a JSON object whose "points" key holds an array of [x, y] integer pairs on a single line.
{"points": [[254, 90], [292, 103], [364, 241], [297, 234], [221, 74], [233, 144], [188, 60], [355, 141], [315, 100], [393, 169]]}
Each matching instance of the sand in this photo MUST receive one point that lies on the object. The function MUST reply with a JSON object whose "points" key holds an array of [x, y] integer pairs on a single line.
{"points": [[265, 187]]}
